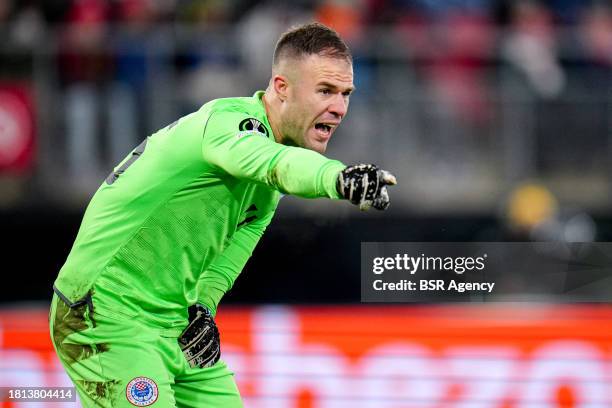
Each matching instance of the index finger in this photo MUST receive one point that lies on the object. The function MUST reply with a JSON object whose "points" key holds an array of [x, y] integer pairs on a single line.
{"points": [[388, 178]]}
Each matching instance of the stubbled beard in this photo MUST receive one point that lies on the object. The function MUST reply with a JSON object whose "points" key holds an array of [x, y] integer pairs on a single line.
{"points": [[290, 142]]}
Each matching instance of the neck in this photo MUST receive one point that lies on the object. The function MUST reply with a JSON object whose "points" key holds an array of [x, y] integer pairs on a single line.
{"points": [[272, 112]]}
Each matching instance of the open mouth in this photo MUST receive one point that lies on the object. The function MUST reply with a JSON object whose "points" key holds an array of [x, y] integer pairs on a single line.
{"points": [[323, 129]]}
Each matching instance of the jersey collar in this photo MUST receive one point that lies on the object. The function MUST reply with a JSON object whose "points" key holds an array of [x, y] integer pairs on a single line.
{"points": [[259, 97]]}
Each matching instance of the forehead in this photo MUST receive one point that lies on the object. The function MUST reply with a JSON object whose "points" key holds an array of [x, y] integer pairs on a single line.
{"points": [[336, 71]]}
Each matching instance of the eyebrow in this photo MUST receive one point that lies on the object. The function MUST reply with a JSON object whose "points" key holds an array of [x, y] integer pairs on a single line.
{"points": [[330, 85]]}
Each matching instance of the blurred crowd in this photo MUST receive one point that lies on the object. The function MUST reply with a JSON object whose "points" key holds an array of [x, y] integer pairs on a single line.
{"points": [[451, 40]]}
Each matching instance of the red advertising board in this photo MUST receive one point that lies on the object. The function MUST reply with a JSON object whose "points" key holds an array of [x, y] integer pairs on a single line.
{"points": [[400, 356]]}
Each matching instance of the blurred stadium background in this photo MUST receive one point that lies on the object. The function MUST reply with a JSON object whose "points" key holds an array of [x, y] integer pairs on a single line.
{"points": [[496, 116]]}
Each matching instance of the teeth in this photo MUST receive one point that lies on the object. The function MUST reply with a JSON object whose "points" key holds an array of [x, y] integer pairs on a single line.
{"points": [[324, 127]]}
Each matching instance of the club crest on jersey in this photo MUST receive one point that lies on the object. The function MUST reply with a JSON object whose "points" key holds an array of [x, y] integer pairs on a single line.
{"points": [[141, 391], [252, 125]]}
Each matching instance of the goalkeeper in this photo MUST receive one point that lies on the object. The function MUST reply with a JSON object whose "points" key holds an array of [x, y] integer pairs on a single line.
{"points": [[170, 229]]}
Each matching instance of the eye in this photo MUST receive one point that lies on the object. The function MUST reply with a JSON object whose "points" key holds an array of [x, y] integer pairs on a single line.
{"points": [[325, 91]]}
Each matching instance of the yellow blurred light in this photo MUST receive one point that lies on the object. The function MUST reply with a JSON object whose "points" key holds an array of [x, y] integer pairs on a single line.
{"points": [[531, 204]]}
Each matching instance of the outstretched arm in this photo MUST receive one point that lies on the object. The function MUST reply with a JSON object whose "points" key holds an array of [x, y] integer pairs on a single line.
{"points": [[250, 155]]}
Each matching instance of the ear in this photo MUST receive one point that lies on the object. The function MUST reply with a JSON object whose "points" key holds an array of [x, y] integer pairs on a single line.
{"points": [[281, 86]]}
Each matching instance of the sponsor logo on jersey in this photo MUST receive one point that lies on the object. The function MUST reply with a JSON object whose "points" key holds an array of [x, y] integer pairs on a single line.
{"points": [[240, 135], [252, 125], [141, 391]]}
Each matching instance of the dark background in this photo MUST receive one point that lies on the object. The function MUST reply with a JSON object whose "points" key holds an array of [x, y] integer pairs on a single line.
{"points": [[299, 260]]}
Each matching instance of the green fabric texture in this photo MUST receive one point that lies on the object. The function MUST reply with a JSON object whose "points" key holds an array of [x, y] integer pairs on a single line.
{"points": [[183, 213], [104, 357]]}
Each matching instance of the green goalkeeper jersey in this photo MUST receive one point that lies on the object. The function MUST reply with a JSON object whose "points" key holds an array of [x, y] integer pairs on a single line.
{"points": [[176, 221]]}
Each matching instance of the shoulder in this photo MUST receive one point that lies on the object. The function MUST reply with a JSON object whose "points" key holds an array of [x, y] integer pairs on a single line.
{"points": [[244, 105], [236, 115]]}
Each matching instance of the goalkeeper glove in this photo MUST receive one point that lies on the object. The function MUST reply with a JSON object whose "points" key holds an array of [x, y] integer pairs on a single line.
{"points": [[365, 185], [200, 341]]}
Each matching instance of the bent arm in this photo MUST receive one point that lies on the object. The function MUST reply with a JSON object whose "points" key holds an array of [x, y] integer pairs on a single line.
{"points": [[220, 276]]}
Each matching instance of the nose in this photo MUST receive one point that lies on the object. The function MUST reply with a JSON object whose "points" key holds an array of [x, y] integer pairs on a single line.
{"points": [[338, 106]]}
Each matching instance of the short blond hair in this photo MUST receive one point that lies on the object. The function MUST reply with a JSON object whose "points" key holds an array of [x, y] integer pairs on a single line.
{"points": [[309, 39]]}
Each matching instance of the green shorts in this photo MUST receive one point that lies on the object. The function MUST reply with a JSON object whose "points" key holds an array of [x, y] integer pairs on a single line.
{"points": [[125, 363]]}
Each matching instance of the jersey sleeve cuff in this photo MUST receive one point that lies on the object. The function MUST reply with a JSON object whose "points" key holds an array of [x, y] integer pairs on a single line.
{"points": [[330, 179]]}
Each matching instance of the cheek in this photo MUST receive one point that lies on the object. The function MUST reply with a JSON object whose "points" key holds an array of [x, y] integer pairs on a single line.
{"points": [[292, 111], [304, 114], [305, 108], [305, 98]]}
